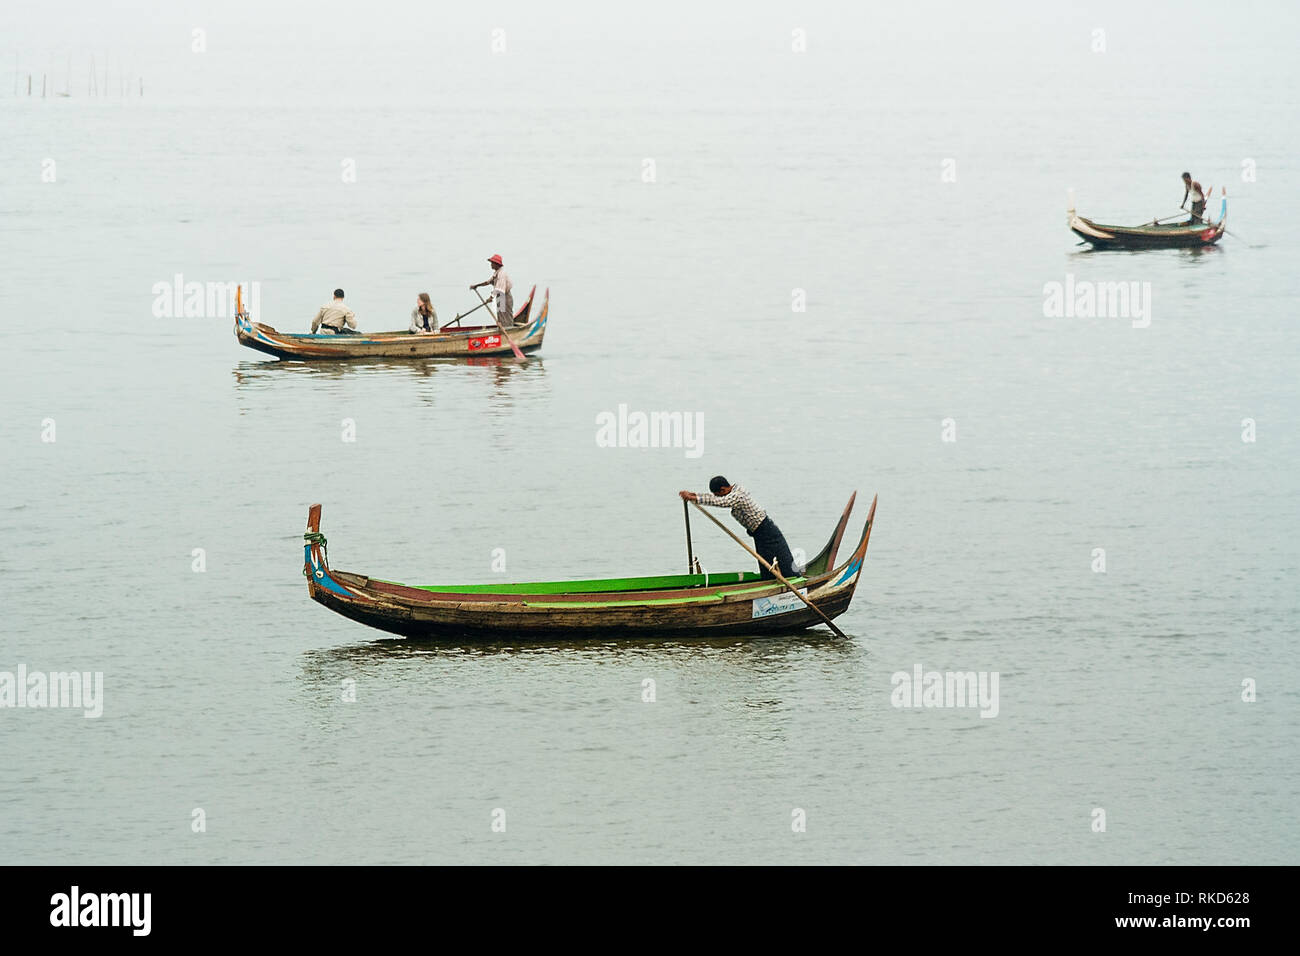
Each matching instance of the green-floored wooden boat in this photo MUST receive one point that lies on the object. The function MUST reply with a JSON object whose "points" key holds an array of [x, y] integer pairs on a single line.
{"points": [[737, 602]]}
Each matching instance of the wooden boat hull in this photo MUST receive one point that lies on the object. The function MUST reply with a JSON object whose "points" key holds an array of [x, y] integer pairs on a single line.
{"points": [[665, 606], [474, 625], [1173, 236], [468, 342]]}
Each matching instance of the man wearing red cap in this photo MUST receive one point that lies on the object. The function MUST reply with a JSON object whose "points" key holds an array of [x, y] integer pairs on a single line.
{"points": [[502, 289]]}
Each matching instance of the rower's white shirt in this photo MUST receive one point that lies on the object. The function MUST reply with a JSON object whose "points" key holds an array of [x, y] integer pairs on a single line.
{"points": [[501, 283]]}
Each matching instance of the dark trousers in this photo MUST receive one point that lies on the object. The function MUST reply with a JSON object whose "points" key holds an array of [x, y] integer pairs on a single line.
{"points": [[769, 542], [1198, 212]]}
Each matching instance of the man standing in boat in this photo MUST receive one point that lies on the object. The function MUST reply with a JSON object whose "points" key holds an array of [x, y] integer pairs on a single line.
{"points": [[502, 289], [334, 318], [768, 539], [1192, 188]]}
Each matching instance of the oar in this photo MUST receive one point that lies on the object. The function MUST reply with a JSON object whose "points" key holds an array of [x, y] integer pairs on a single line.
{"points": [[690, 551], [456, 320], [770, 567], [514, 348]]}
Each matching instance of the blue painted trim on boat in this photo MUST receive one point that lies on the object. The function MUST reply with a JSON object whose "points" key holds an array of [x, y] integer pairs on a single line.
{"points": [[322, 576], [849, 572]]}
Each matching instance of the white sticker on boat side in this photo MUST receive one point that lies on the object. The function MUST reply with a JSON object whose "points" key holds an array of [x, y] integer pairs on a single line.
{"points": [[779, 604]]}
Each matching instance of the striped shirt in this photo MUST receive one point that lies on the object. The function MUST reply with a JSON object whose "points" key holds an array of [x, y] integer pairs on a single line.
{"points": [[743, 508], [501, 283]]}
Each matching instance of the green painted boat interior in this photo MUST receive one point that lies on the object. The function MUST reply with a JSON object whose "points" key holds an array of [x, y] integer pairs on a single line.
{"points": [[759, 586], [666, 582]]}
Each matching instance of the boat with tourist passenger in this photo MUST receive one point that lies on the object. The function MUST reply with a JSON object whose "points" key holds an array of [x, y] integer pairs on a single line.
{"points": [[451, 341]]}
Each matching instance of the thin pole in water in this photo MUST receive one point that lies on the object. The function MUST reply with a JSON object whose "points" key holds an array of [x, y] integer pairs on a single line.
{"points": [[690, 551]]}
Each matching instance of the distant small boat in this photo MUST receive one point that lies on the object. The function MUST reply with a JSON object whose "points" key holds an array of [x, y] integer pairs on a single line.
{"points": [[1151, 235], [450, 342], [735, 602]]}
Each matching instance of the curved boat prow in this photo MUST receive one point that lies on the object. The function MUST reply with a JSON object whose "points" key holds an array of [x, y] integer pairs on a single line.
{"points": [[312, 558], [243, 321], [825, 559], [846, 576]]}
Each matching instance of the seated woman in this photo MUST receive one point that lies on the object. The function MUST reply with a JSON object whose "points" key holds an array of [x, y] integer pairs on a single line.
{"points": [[423, 318]]}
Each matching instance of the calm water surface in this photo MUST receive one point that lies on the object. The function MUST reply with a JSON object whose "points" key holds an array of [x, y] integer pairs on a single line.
{"points": [[774, 172]]}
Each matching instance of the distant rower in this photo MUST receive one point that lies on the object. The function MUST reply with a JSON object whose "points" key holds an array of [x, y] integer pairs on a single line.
{"points": [[768, 539], [334, 317], [502, 288], [1192, 188]]}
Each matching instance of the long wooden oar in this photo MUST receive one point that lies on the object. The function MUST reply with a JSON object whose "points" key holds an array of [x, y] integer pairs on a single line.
{"points": [[456, 320], [763, 561], [514, 348], [690, 551]]}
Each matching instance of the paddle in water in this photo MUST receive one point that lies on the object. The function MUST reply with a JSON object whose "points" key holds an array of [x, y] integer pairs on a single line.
{"points": [[514, 348], [771, 567]]}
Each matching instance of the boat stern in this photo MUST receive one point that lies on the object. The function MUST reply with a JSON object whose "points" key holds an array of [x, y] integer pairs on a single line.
{"points": [[243, 321], [321, 584]]}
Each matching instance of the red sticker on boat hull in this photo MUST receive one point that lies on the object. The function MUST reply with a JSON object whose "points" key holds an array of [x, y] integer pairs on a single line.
{"points": [[484, 342]]}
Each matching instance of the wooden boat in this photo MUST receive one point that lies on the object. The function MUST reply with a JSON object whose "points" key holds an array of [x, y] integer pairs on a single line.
{"points": [[1151, 235], [450, 342], [736, 602]]}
